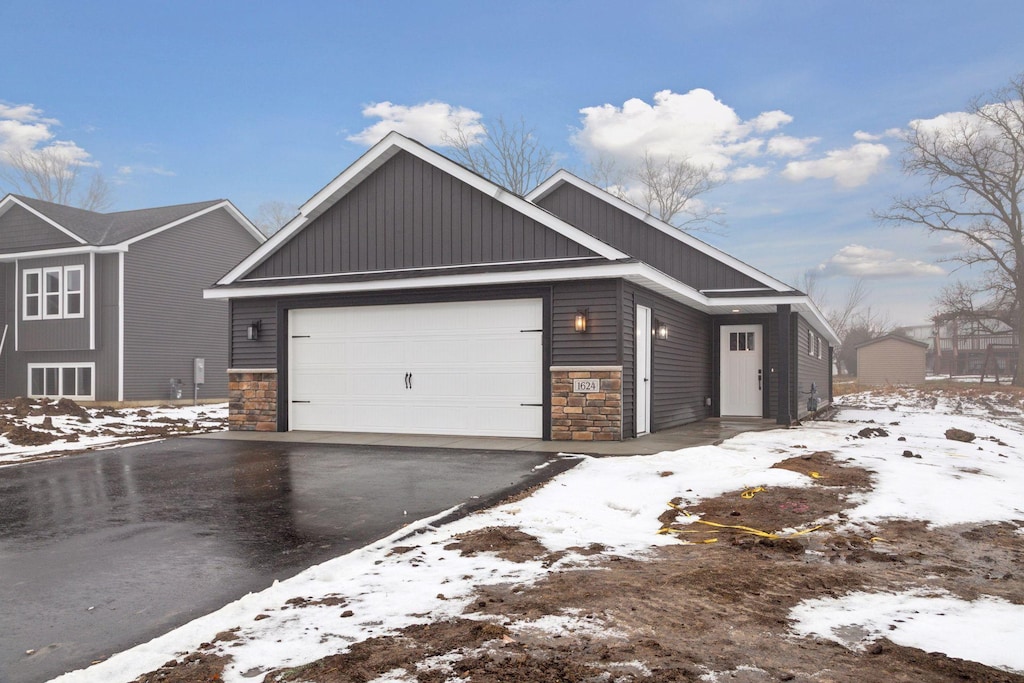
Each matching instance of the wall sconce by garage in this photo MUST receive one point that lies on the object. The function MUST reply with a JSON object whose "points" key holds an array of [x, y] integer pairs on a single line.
{"points": [[580, 321], [252, 332], [660, 329]]}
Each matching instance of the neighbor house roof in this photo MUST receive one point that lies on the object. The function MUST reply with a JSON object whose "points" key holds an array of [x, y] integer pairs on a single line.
{"points": [[97, 229], [895, 337]]}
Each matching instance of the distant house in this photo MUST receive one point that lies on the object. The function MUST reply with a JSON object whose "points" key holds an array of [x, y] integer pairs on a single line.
{"points": [[109, 306], [891, 360], [413, 296]]}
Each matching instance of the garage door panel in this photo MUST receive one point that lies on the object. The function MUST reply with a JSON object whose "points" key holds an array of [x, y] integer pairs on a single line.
{"points": [[470, 367]]}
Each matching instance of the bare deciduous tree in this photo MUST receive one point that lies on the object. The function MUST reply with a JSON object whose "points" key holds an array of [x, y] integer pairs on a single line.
{"points": [[975, 169], [509, 154], [667, 188], [53, 175], [272, 215], [851, 320]]}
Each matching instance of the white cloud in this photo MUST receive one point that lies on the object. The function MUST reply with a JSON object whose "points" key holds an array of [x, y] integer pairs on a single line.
{"points": [[849, 167], [749, 172], [137, 169], [864, 136], [788, 146], [24, 130], [695, 125], [856, 260], [429, 122]]}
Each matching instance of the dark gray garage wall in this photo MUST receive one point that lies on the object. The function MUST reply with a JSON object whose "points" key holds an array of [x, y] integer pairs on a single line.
{"points": [[409, 214], [600, 344], [636, 238], [259, 353], [680, 365]]}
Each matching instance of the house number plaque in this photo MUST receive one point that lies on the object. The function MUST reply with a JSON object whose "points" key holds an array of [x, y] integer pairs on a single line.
{"points": [[586, 386]]}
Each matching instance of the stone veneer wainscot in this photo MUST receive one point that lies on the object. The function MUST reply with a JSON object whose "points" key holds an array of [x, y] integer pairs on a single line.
{"points": [[252, 396], [595, 416]]}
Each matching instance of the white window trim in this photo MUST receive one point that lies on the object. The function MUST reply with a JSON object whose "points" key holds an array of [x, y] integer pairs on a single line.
{"points": [[59, 270], [80, 292], [60, 380], [38, 272], [817, 346]]}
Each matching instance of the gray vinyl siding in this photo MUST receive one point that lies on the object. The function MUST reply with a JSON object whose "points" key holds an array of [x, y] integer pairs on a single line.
{"points": [[107, 326], [410, 214], [680, 364], [167, 321], [60, 334], [600, 344], [20, 230], [261, 353], [809, 368], [5, 323], [642, 241]]}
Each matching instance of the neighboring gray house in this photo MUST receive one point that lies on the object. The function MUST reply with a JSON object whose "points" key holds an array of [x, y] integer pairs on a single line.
{"points": [[109, 306], [411, 295]]}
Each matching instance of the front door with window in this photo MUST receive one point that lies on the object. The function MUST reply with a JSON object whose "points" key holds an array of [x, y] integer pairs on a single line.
{"points": [[742, 372]]}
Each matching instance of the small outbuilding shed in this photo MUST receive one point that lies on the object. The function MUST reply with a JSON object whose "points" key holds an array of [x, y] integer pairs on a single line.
{"points": [[891, 359]]}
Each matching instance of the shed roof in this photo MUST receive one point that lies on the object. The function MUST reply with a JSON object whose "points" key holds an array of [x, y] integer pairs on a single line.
{"points": [[894, 337]]}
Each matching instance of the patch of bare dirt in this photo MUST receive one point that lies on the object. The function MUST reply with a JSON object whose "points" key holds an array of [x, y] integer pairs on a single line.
{"points": [[509, 543], [195, 668]]}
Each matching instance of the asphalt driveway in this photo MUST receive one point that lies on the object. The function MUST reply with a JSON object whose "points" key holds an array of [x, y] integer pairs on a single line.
{"points": [[102, 551]]}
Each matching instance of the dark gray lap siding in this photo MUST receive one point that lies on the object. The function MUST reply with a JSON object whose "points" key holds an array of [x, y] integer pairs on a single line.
{"points": [[680, 364], [809, 368]]}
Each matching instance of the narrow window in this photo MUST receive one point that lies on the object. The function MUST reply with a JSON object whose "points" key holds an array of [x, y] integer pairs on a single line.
{"points": [[750, 341], [733, 341], [52, 292], [84, 387], [73, 291], [30, 304], [810, 343], [817, 346], [36, 385], [52, 382]]}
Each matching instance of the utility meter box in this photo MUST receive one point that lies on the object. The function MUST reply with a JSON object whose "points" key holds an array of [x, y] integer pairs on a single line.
{"points": [[199, 370]]}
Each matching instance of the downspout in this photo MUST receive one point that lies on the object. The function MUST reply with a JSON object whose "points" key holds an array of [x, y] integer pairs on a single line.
{"points": [[3, 338]]}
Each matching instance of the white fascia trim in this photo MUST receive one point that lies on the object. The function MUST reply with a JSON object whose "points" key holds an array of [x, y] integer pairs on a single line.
{"points": [[802, 303], [425, 269], [120, 327], [388, 146], [202, 212], [564, 176], [66, 251], [10, 200]]}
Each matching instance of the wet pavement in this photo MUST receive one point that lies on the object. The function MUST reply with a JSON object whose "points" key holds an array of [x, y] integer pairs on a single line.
{"points": [[102, 551]]}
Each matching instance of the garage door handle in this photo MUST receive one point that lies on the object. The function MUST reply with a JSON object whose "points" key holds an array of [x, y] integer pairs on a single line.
{"points": [[539, 405]]}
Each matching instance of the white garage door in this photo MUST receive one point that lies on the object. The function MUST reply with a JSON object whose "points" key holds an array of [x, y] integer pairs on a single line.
{"points": [[472, 368]]}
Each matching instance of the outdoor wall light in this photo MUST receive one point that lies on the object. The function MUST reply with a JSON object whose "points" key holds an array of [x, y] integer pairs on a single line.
{"points": [[661, 329], [580, 321], [252, 333]]}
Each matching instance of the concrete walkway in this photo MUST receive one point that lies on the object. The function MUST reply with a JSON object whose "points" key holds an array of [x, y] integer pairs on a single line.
{"points": [[711, 431]]}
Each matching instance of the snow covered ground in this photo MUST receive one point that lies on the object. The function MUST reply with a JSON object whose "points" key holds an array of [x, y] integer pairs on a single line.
{"points": [[615, 502]]}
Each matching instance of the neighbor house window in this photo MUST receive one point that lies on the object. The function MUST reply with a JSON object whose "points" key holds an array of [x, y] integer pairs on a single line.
{"points": [[56, 292], [31, 305], [56, 380]]}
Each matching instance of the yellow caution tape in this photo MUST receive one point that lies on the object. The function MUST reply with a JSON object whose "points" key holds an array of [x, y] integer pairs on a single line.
{"points": [[737, 527], [814, 475], [877, 539], [749, 493]]}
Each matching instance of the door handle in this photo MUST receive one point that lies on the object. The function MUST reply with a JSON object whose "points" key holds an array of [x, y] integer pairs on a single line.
{"points": [[759, 380]]}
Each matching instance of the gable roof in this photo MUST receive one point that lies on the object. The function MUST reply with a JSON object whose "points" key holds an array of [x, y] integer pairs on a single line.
{"points": [[377, 156], [894, 337], [121, 227], [564, 177]]}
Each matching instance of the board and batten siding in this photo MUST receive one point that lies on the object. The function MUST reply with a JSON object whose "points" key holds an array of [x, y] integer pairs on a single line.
{"points": [[810, 369], [410, 214], [680, 364], [636, 238], [891, 361], [167, 321], [21, 230]]}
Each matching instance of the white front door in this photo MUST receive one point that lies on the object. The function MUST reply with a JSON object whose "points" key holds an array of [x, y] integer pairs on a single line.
{"points": [[643, 370], [468, 368], [742, 373]]}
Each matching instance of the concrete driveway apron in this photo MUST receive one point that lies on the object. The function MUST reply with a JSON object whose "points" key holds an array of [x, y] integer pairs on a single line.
{"points": [[102, 551]]}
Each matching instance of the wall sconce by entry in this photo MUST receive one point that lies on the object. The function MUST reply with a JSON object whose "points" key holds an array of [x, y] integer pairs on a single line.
{"points": [[580, 321], [661, 329], [252, 332]]}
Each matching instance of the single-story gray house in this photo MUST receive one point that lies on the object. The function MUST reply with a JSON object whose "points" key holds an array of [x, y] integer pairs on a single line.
{"points": [[109, 306], [892, 359], [410, 295]]}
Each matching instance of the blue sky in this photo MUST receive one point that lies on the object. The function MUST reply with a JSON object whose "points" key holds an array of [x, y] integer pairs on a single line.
{"points": [[796, 102]]}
